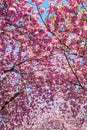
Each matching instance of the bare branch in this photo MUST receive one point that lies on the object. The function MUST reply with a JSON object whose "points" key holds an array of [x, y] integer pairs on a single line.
{"points": [[8, 101]]}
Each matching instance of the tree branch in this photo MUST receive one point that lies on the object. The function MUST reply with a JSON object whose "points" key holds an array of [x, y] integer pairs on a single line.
{"points": [[73, 71], [8, 101]]}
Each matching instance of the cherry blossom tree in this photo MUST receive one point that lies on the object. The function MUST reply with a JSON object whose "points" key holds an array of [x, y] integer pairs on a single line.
{"points": [[43, 65]]}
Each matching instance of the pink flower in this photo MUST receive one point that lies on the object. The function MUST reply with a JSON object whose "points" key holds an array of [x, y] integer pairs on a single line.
{"points": [[38, 2]]}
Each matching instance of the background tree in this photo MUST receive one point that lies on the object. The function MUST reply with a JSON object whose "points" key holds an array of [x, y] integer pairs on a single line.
{"points": [[43, 65]]}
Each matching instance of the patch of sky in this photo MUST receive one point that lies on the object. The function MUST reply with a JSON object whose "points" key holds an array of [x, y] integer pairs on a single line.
{"points": [[1, 5], [2, 117], [56, 106], [29, 88], [65, 2], [17, 88], [77, 87], [11, 27], [45, 6], [81, 61], [34, 67]]}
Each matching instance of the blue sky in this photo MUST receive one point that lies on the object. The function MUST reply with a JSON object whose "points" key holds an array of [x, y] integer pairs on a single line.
{"points": [[45, 5]]}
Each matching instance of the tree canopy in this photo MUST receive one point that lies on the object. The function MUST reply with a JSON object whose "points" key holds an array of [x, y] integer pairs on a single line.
{"points": [[43, 65]]}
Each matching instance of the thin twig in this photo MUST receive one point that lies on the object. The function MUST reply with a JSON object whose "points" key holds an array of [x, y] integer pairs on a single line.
{"points": [[83, 6], [73, 71]]}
